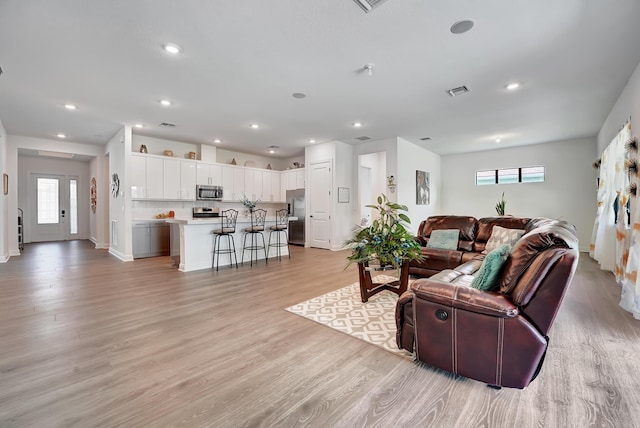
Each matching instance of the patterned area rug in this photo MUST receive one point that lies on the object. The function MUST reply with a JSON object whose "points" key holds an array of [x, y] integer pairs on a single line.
{"points": [[343, 310]]}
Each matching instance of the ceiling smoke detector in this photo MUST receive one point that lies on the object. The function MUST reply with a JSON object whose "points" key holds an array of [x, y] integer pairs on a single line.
{"points": [[369, 5], [363, 138], [458, 91]]}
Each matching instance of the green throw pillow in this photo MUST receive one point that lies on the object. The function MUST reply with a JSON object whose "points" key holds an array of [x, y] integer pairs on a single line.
{"points": [[444, 239], [487, 276]]}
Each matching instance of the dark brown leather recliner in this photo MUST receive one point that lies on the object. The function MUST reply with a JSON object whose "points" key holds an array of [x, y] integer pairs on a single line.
{"points": [[497, 337]]}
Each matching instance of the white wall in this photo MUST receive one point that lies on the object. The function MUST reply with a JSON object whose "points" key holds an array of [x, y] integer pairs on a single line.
{"points": [[568, 192], [226, 156], [48, 165], [343, 212], [4, 200], [627, 105], [118, 149], [411, 158]]}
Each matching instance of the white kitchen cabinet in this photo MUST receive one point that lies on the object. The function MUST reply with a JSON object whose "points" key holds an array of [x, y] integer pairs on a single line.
{"points": [[209, 174], [187, 180], [271, 191], [253, 184], [155, 174], [146, 177], [171, 179], [138, 177], [233, 181], [238, 183], [300, 184]]}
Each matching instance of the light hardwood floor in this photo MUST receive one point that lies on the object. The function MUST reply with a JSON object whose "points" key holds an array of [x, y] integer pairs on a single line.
{"points": [[87, 340]]}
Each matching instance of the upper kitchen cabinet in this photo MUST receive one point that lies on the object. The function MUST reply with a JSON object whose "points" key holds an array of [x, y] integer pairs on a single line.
{"points": [[208, 174], [233, 183], [146, 177], [271, 191], [171, 179], [187, 180]]}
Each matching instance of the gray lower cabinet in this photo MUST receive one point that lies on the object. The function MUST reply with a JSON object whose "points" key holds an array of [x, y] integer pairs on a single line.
{"points": [[150, 239]]}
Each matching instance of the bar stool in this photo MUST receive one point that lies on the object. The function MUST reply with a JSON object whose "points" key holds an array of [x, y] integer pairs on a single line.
{"points": [[228, 228], [258, 217], [282, 223]]}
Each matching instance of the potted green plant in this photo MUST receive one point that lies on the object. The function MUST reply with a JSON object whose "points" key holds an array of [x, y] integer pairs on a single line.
{"points": [[501, 205], [385, 244]]}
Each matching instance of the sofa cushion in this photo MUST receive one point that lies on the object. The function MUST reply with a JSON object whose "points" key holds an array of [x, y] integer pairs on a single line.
{"points": [[466, 226], [487, 276], [501, 236], [444, 239], [485, 228]]}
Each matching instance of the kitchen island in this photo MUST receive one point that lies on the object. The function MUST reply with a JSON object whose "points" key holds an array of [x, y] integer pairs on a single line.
{"points": [[192, 241]]}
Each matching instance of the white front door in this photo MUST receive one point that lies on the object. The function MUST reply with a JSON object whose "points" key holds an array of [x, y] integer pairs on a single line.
{"points": [[320, 204], [48, 210]]}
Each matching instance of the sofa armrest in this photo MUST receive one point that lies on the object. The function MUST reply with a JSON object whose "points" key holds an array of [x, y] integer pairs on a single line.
{"points": [[463, 297]]}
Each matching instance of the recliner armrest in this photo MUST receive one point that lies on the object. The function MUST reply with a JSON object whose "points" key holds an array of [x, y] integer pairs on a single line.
{"points": [[463, 297]]}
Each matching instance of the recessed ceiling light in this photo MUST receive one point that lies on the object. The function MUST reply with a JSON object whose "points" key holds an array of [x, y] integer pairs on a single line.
{"points": [[498, 140], [513, 86], [70, 106], [61, 135], [273, 149], [217, 140], [357, 124], [462, 26], [299, 95], [255, 126], [165, 103], [172, 48], [312, 141], [139, 125]]}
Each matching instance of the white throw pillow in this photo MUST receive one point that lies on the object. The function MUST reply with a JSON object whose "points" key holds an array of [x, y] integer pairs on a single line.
{"points": [[500, 236]]}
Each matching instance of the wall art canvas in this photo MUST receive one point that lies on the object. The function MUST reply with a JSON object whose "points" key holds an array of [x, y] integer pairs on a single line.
{"points": [[423, 193]]}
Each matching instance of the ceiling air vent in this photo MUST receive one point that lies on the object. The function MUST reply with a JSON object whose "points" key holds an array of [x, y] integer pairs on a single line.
{"points": [[363, 138], [425, 138], [167, 125], [458, 91], [369, 5], [0, 71]]}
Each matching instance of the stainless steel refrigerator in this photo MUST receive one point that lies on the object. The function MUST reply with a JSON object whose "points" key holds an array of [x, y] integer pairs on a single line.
{"points": [[295, 207]]}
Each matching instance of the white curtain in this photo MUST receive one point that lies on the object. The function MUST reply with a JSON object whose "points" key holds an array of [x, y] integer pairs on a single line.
{"points": [[608, 238], [615, 241], [630, 299]]}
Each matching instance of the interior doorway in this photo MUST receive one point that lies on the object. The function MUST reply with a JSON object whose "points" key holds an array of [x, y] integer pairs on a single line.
{"points": [[372, 173], [320, 204]]}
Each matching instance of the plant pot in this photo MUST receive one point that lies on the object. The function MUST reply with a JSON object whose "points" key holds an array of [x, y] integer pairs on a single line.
{"points": [[368, 286]]}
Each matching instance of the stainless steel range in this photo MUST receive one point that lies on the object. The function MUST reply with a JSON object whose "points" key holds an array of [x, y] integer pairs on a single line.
{"points": [[206, 212]]}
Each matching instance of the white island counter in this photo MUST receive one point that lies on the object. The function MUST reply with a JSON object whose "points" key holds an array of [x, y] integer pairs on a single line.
{"points": [[192, 241]]}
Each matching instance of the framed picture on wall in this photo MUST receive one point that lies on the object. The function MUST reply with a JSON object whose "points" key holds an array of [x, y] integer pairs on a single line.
{"points": [[423, 192]]}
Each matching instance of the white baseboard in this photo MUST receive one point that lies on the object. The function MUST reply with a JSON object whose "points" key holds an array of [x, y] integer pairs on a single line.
{"points": [[4, 259], [14, 253], [121, 256]]}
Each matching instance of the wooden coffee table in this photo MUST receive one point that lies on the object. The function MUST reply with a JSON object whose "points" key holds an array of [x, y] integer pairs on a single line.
{"points": [[369, 286]]}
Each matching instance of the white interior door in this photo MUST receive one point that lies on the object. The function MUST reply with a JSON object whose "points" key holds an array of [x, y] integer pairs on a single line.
{"points": [[49, 209], [320, 204]]}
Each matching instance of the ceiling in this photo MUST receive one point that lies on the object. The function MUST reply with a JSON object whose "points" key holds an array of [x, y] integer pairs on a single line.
{"points": [[242, 60]]}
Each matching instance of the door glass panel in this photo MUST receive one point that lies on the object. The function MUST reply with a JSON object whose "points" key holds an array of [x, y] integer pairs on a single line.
{"points": [[73, 206], [48, 201]]}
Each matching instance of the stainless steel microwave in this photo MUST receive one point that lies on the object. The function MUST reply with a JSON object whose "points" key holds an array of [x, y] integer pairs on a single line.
{"points": [[208, 193]]}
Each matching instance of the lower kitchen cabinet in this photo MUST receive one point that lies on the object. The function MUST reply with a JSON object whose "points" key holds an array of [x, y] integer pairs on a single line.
{"points": [[150, 239]]}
